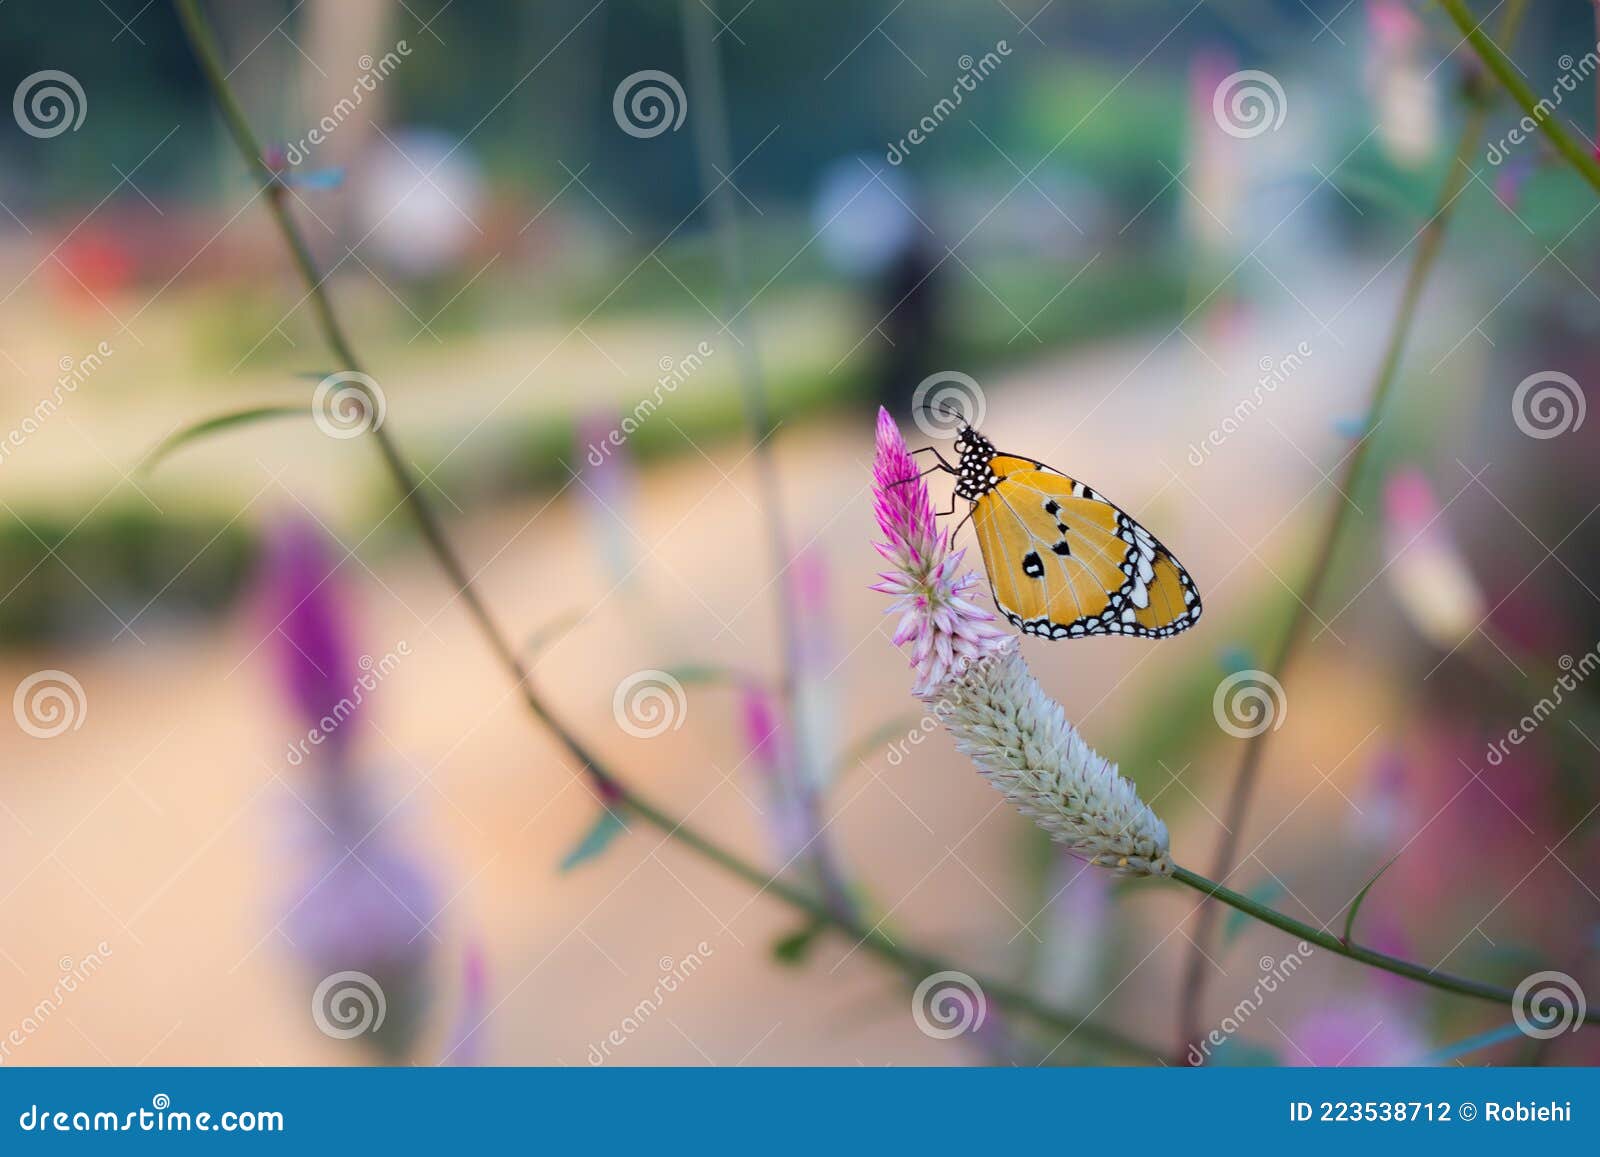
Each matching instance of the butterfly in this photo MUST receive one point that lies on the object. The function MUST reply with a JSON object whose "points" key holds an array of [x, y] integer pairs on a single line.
{"points": [[1063, 560]]}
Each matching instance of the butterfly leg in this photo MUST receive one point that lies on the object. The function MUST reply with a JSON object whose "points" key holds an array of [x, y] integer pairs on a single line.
{"points": [[943, 465]]}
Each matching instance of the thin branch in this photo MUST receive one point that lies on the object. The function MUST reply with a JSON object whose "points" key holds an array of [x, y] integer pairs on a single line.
{"points": [[1429, 245], [1538, 111], [710, 121], [913, 962], [1432, 977]]}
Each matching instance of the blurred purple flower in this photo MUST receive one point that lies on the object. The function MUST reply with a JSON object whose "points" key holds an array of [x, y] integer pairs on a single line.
{"points": [[1076, 918], [362, 903], [1368, 1032], [308, 615], [1382, 817], [466, 1045], [607, 485], [1513, 175]]}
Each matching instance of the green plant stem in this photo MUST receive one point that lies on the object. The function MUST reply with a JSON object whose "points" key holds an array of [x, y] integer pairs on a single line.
{"points": [[913, 962], [1311, 934], [1429, 246], [710, 123], [1564, 142]]}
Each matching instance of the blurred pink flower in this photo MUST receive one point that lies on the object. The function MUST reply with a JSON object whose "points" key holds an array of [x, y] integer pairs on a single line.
{"points": [[1400, 81], [1214, 172], [771, 759], [1431, 579], [946, 630]]}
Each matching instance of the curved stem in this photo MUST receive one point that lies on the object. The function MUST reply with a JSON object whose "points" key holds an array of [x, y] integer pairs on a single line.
{"points": [[1579, 157], [1432, 977], [1429, 245], [913, 962]]}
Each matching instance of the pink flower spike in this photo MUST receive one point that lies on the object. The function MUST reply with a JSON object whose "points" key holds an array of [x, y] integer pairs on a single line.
{"points": [[933, 599]]}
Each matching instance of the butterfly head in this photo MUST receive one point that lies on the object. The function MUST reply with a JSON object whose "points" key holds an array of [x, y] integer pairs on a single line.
{"points": [[973, 475]]}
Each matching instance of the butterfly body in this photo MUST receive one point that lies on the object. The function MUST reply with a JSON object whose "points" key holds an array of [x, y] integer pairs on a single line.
{"points": [[1064, 561]]}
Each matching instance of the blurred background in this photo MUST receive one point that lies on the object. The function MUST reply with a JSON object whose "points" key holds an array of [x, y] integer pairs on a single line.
{"points": [[258, 746]]}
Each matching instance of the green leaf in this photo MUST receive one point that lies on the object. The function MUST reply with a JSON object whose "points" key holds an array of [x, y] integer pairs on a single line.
{"points": [[868, 745], [706, 673], [212, 425], [545, 635], [1355, 905], [1263, 893], [596, 840], [793, 949]]}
